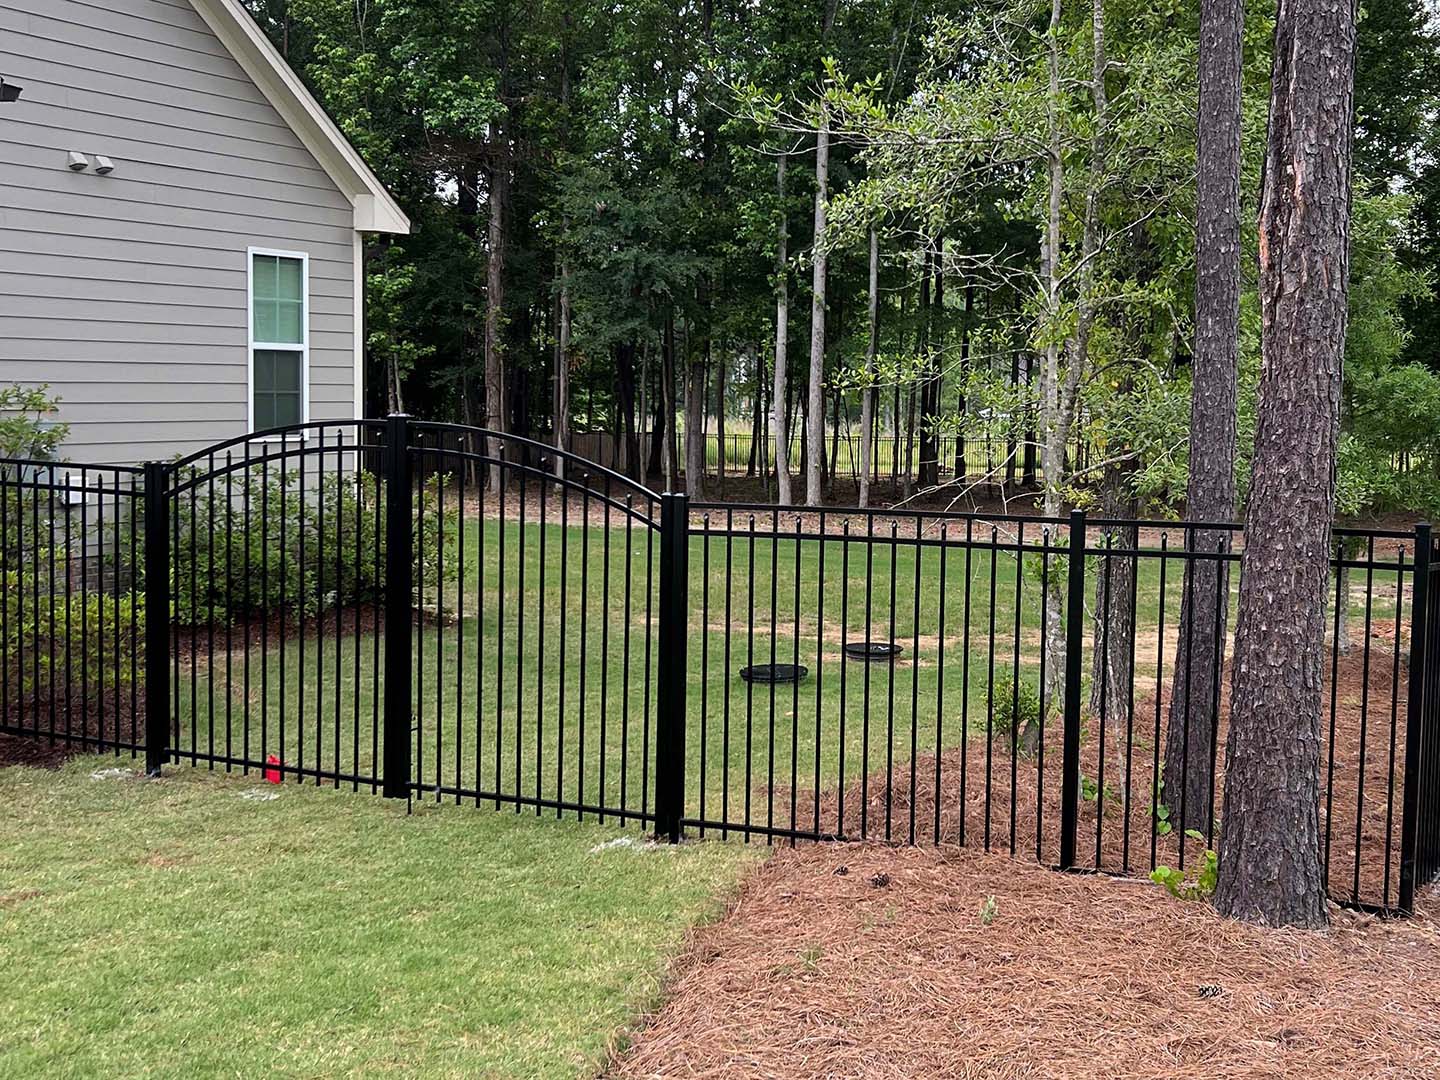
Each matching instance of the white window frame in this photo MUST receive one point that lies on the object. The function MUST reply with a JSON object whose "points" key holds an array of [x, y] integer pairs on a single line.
{"points": [[287, 346]]}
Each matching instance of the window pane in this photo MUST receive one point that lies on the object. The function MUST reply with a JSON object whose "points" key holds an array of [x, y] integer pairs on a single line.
{"points": [[266, 320], [265, 275], [288, 280], [287, 409], [287, 372], [288, 324], [278, 388], [279, 300]]}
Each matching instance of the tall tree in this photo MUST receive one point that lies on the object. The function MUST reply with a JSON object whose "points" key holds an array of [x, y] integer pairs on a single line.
{"points": [[1210, 489], [1270, 864], [869, 391], [815, 413], [779, 398]]}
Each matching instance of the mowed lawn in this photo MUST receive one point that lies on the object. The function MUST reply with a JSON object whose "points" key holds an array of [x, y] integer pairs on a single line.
{"points": [[202, 925], [537, 675]]}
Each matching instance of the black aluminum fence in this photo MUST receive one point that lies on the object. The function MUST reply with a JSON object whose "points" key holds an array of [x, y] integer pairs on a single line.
{"points": [[439, 612]]}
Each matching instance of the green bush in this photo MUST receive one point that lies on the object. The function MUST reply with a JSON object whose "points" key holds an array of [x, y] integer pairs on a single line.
{"points": [[52, 629], [65, 637], [265, 545], [1014, 711]]}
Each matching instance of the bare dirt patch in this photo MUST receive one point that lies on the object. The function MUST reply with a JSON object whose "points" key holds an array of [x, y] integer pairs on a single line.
{"points": [[868, 961]]}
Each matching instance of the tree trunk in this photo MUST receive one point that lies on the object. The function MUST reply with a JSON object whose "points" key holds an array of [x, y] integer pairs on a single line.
{"points": [[962, 468], [757, 420], [494, 304], [1210, 490], [868, 394], [668, 410], [815, 411], [929, 471], [1270, 868], [695, 427], [625, 399], [780, 397], [1052, 426], [720, 418], [562, 373], [1114, 614]]}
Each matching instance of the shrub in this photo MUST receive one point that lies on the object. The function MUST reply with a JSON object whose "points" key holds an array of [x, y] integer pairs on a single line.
{"points": [[1014, 711], [51, 628], [267, 546], [65, 638]]}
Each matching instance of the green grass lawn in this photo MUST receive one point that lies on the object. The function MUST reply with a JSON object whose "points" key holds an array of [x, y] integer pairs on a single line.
{"points": [[503, 702], [184, 927]]}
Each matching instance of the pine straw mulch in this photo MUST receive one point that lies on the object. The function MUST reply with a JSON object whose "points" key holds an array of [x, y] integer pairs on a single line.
{"points": [[1116, 826], [862, 960]]}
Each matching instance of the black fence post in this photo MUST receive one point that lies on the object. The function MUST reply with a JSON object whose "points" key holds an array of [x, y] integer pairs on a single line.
{"points": [[399, 607], [671, 669], [1415, 718], [157, 618], [1074, 643]]}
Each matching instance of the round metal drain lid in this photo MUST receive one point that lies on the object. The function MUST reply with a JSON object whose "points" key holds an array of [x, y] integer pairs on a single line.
{"points": [[872, 650], [774, 673]]}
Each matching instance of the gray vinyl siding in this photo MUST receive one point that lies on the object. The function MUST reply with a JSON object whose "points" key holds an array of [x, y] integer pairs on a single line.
{"points": [[127, 293]]}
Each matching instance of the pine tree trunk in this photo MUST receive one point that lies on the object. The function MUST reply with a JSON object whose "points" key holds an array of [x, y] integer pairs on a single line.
{"points": [[625, 399], [494, 306], [1114, 614], [720, 419], [780, 396], [1210, 491], [695, 428], [1270, 868], [868, 394], [562, 373], [815, 410], [757, 419], [1052, 429], [668, 410]]}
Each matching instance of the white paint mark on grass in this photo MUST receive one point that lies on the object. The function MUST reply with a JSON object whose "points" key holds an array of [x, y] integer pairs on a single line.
{"points": [[114, 774], [625, 842], [259, 795]]}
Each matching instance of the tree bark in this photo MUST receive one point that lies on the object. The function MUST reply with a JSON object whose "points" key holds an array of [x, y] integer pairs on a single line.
{"points": [[868, 394], [667, 410], [1053, 429], [780, 396], [1114, 614], [1210, 489], [562, 373], [720, 418], [625, 399], [1270, 865], [695, 427], [962, 470], [815, 411], [494, 304]]}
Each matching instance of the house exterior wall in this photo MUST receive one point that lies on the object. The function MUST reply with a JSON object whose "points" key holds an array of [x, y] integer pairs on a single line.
{"points": [[127, 293]]}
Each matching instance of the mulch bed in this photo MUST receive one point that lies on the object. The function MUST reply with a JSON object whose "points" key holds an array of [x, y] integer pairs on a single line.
{"points": [[83, 724], [871, 961], [1103, 841]]}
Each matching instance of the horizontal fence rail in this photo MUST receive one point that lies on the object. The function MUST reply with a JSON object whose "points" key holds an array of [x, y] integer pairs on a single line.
{"points": [[444, 612]]}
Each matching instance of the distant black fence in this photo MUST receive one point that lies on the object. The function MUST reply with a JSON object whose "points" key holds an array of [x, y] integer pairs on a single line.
{"points": [[441, 612]]}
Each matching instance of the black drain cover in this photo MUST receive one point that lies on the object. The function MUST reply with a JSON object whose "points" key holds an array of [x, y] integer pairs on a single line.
{"points": [[872, 650], [774, 673]]}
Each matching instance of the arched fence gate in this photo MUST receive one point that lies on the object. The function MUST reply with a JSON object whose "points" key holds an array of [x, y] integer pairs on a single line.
{"points": [[435, 611]]}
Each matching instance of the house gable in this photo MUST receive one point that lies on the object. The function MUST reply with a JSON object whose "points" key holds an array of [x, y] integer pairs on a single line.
{"points": [[127, 292]]}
